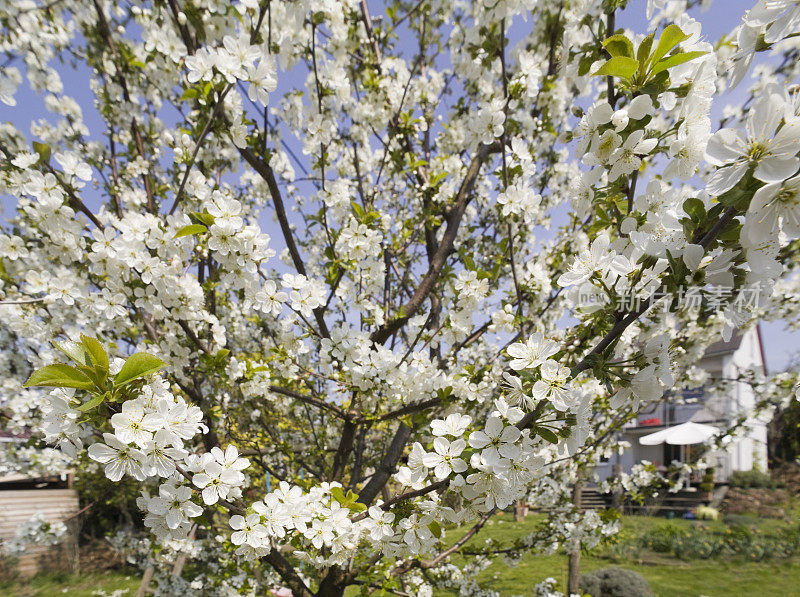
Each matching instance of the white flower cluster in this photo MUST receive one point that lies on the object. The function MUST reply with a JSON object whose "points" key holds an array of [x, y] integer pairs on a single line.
{"points": [[554, 383], [35, 531], [305, 294], [775, 20], [217, 476], [148, 437], [236, 60], [148, 443], [503, 461], [770, 143], [547, 588], [315, 518], [650, 381]]}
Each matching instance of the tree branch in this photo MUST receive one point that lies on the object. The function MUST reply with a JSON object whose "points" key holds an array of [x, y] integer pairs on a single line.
{"points": [[312, 401], [427, 284], [206, 129], [287, 572], [427, 564], [387, 465], [265, 171]]}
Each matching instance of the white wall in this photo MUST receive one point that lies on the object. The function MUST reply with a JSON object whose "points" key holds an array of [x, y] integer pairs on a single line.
{"points": [[751, 450]]}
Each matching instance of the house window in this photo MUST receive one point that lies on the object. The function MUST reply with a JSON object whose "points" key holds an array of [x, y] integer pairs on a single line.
{"points": [[671, 453], [694, 395]]}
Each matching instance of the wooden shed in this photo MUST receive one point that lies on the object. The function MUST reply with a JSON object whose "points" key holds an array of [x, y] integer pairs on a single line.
{"points": [[53, 497]]}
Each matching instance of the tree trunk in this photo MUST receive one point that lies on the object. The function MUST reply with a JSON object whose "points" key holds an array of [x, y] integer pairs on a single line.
{"points": [[616, 496], [573, 581], [331, 585], [520, 510]]}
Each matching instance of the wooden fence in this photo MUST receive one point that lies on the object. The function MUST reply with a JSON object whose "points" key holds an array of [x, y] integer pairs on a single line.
{"points": [[18, 505]]}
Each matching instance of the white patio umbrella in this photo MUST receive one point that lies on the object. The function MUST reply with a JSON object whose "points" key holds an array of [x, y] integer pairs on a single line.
{"points": [[681, 435]]}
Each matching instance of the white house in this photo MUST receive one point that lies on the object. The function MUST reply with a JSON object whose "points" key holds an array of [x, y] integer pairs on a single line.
{"points": [[726, 360]]}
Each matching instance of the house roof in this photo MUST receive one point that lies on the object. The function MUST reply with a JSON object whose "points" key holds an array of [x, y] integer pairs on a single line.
{"points": [[704, 416], [7, 436], [23, 481], [722, 347], [732, 345]]}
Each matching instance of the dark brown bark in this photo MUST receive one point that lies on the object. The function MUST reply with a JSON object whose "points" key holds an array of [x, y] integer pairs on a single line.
{"points": [[387, 465]]}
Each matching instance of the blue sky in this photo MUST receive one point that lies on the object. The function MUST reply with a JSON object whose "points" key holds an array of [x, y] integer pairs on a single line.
{"points": [[722, 17]]}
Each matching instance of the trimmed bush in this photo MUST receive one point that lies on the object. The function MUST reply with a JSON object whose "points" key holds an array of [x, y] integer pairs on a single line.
{"points": [[748, 479], [615, 582], [707, 483], [702, 542]]}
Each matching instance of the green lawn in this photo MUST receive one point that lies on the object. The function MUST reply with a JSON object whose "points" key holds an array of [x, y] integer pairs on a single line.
{"points": [[74, 585], [668, 576]]}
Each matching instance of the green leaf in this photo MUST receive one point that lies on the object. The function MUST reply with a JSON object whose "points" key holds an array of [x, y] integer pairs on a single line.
{"points": [[221, 355], [435, 528], [643, 52], [546, 434], [204, 217], [619, 45], [4, 274], [59, 376], [138, 365], [694, 208], [95, 401], [189, 94], [43, 149], [675, 60], [318, 17], [619, 66], [358, 209], [584, 65], [74, 351], [469, 262], [189, 230], [716, 211], [670, 38], [731, 232], [338, 494], [96, 352]]}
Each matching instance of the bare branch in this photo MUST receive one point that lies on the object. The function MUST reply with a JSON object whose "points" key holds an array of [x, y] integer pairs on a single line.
{"points": [[427, 284]]}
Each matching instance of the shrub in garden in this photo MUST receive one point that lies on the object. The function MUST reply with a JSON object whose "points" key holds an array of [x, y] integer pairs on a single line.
{"points": [[739, 519], [661, 538], [621, 546], [615, 582], [707, 483], [791, 535], [701, 542], [748, 479], [698, 545]]}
